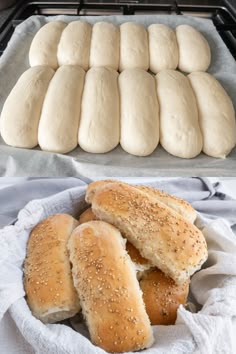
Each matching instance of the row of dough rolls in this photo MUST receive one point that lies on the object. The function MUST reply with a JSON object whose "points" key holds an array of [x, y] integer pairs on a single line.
{"points": [[99, 109], [120, 293], [128, 46]]}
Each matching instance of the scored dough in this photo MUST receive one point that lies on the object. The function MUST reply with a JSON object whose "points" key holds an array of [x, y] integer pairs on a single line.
{"points": [[22, 109], [180, 133], [74, 45], [59, 122], [99, 130], [134, 52], [43, 49], [194, 50], [216, 115], [139, 112], [163, 48], [105, 45]]}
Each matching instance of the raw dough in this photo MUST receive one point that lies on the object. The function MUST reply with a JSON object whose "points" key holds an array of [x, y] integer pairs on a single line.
{"points": [[105, 45], [194, 50], [180, 133], [163, 48], [134, 52], [59, 122], [43, 49], [216, 115], [22, 109], [74, 45], [139, 112], [99, 130]]}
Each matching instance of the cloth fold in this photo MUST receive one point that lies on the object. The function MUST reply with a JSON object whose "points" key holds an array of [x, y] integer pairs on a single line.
{"points": [[213, 288]]}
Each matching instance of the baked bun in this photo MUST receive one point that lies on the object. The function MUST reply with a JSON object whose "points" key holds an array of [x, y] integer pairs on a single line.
{"points": [[162, 296], [48, 282], [170, 242], [179, 205], [109, 292], [141, 264]]}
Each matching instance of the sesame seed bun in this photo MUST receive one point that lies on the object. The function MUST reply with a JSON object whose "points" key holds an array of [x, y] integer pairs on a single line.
{"points": [[164, 237], [48, 283], [179, 205], [109, 292], [162, 296]]}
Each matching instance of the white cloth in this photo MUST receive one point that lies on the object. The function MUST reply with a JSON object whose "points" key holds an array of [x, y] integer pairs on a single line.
{"points": [[213, 290]]}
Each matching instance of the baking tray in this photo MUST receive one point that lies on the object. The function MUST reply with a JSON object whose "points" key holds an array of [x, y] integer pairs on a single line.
{"points": [[23, 162]]}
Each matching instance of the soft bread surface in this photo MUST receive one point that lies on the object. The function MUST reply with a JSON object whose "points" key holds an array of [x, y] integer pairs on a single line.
{"points": [[105, 45], [99, 130], [180, 133], [22, 108], [134, 52], [139, 116], [163, 48], [194, 50], [169, 242], [216, 115], [59, 123], [179, 205], [48, 282], [109, 292], [43, 49], [74, 45], [162, 296]]}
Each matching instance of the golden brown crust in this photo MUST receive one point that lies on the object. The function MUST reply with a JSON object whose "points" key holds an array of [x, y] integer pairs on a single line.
{"points": [[109, 292], [162, 236], [179, 205], [162, 296], [48, 283], [87, 215]]}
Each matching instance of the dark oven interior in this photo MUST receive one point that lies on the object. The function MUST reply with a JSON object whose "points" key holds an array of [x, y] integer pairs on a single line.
{"points": [[221, 12]]}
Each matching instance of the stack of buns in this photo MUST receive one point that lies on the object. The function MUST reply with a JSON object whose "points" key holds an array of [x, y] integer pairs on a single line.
{"points": [[132, 254]]}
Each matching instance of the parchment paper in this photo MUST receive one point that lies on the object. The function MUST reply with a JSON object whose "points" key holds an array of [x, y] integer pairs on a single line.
{"points": [[23, 162]]}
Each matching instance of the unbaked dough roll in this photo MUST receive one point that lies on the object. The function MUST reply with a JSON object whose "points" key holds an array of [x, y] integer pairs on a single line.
{"points": [[99, 130], [163, 48], [74, 45], [216, 115], [134, 52], [105, 45], [21, 111], [194, 50], [43, 49], [180, 132], [139, 112], [59, 122], [110, 297]]}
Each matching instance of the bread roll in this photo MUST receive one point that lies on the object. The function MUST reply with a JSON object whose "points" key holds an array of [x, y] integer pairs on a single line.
{"points": [[180, 133], [48, 282], [74, 45], [216, 115], [163, 48], [59, 122], [194, 50], [109, 292], [21, 111], [99, 130], [141, 264], [43, 49], [139, 112], [134, 51], [162, 236], [162, 296], [179, 205], [105, 45]]}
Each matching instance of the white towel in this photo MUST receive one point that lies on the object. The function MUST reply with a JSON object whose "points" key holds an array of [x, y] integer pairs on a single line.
{"points": [[213, 289]]}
